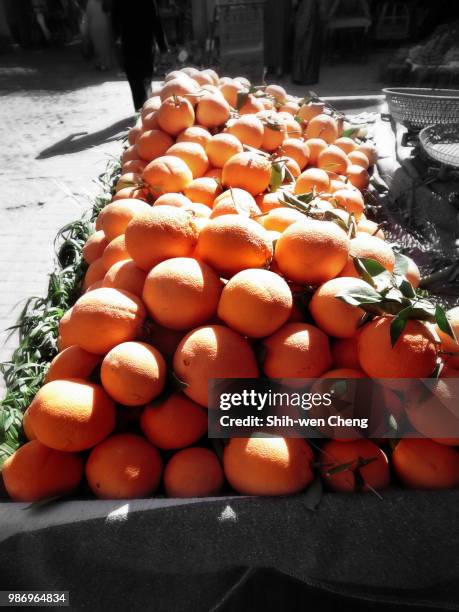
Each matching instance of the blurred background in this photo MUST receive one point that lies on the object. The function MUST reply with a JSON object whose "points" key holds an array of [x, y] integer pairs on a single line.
{"points": [[65, 102], [309, 41]]}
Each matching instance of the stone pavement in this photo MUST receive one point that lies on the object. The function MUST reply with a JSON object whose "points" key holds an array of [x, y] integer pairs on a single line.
{"points": [[47, 174], [61, 120]]}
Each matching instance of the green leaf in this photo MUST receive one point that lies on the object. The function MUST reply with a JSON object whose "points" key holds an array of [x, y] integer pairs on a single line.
{"points": [[350, 132], [398, 324], [443, 323], [277, 176], [373, 267], [401, 264], [359, 295], [407, 289]]}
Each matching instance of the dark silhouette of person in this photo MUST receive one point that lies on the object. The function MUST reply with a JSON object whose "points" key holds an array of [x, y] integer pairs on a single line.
{"points": [[138, 24]]}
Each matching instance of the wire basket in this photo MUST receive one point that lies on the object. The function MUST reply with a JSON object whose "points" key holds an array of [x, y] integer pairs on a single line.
{"points": [[417, 108], [441, 143]]}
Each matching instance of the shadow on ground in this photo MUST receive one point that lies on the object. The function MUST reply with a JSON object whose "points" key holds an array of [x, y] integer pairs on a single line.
{"points": [[80, 141]]}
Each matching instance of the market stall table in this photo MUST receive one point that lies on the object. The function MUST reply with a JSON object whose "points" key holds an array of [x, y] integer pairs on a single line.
{"points": [[399, 547]]}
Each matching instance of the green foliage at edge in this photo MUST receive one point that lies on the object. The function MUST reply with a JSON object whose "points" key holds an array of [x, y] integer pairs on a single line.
{"points": [[38, 322]]}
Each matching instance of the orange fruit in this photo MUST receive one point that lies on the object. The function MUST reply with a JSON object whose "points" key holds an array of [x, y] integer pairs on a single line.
{"points": [[447, 344], [315, 146], [202, 78], [322, 126], [370, 227], [368, 247], [230, 89], [203, 190], [94, 246], [136, 193], [134, 165], [358, 176], [215, 173], [425, 464], [210, 352], [133, 373], [296, 149], [344, 373], [221, 147], [182, 293], [346, 144], [130, 179], [193, 155], [248, 129], [351, 200], [72, 362], [375, 474], [414, 354], [269, 201], [96, 285], [94, 273], [345, 354], [105, 317], [193, 472], [160, 233], [71, 414], [195, 133], [359, 159], [251, 106], [179, 86], [212, 110], [167, 173], [127, 276], [278, 219], [255, 303], [292, 127], [151, 105], [311, 251], [67, 333], [312, 179], [134, 132], [35, 472], [268, 466], [332, 315], [129, 153], [413, 274], [173, 199], [333, 159], [308, 111], [232, 243], [124, 466], [212, 74], [115, 252], [150, 122], [235, 201], [369, 150], [277, 91], [115, 217], [248, 171], [176, 422], [433, 414], [292, 167], [296, 350], [152, 144], [274, 133], [26, 427]]}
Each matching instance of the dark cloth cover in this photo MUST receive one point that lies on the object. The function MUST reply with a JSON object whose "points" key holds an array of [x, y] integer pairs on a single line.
{"points": [[173, 555]]}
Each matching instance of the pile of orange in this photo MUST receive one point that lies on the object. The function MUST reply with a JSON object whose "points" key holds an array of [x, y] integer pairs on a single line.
{"points": [[194, 266]]}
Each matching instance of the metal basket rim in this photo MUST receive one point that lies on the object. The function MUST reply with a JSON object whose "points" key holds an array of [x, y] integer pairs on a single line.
{"points": [[420, 92]]}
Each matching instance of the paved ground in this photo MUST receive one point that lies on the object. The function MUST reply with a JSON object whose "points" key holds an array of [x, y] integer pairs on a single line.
{"points": [[60, 122]]}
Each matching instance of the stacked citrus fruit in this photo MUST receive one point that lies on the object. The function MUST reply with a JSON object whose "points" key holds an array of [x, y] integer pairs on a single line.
{"points": [[233, 202]]}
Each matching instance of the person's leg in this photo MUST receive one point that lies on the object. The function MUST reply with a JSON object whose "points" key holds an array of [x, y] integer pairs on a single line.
{"points": [[139, 88]]}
